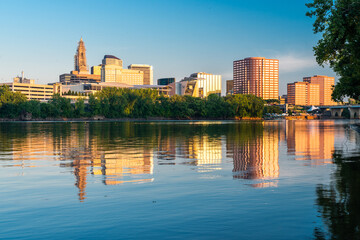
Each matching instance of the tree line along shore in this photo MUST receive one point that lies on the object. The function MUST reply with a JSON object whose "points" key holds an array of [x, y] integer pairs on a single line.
{"points": [[116, 103]]}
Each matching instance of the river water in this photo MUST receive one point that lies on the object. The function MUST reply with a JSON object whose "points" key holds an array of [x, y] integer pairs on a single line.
{"points": [[180, 180]]}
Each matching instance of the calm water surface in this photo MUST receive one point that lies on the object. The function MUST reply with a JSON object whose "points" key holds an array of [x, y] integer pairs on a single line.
{"points": [[182, 180]]}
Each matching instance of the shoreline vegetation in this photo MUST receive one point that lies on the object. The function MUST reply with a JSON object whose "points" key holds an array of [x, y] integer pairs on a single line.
{"points": [[131, 104]]}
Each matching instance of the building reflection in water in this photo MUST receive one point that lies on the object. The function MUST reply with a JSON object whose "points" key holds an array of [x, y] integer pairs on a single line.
{"points": [[195, 143], [311, 140], [123, 152], [204, 151], [76, 148], [255, 152]]}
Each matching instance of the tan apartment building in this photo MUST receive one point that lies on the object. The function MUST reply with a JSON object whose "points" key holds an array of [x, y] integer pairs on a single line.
{"points": [[112, 71], [147, 70], [303, 93], [326, 84], [258, 76]]}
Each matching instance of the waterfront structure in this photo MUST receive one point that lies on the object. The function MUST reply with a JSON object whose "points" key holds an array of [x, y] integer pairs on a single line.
{"points": [[258, 76], [147, 70], [165, 81], [229, 87], [303, 93], [326, 84], [31, 90], [81, 71], [112, 71], [201, 85]]}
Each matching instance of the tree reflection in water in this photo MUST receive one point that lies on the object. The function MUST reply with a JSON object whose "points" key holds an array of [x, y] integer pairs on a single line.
{"points": [[339, 203]]}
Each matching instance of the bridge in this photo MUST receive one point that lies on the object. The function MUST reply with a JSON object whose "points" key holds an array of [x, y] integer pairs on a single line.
{"points": [[336, 111]]}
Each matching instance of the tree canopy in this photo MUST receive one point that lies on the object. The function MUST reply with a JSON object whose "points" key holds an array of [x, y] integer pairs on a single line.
{"points": [[339, 23], [133, 103]]}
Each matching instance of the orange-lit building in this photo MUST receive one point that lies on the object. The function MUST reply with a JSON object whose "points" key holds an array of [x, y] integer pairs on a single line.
{"points": [[258, 76], [326, 84], [303, 93]]}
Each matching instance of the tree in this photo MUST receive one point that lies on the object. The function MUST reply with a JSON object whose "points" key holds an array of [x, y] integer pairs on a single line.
{"points": [[338, 21], [79, 108]]}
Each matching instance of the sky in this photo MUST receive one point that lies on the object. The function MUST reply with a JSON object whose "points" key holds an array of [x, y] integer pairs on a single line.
{"points": [[177, 38]]}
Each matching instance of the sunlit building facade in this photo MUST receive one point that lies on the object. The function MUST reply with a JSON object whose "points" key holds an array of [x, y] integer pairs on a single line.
{"points": [[201, 85], [147, 71], [31, 90], [112, 71], [303, 93], [326, 84], [258, 76]]}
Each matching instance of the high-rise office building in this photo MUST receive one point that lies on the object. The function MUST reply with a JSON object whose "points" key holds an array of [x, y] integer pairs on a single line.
{"points": [[303, 93], [112, 71], [258, 76], [147, 70], [326, 84]]}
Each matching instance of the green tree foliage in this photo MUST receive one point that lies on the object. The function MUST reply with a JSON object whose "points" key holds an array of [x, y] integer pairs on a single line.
{"points": [[61, 106], [272, 109], [10, 102], [245, 105], [79, 108], [133, 103], [339, 21]]}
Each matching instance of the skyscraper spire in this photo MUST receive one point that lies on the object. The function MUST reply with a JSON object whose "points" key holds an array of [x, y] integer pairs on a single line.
{"points": [[80, 58]]}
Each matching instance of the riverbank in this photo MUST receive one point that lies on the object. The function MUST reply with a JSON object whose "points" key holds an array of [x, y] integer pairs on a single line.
{"points": [[102, 119]]}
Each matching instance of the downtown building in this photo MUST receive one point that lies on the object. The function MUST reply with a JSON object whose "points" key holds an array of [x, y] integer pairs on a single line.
{"points": [[112, 71], [326, 88], [198, 85], [81, 74], [303, 94], [147, 70], [257, 76], [314, 90]]}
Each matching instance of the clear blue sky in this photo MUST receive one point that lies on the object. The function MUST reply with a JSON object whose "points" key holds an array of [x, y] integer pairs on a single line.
{"points": [[176, 37]]}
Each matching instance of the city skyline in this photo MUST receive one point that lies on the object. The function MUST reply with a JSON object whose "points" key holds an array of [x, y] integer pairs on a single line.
{"points": [[164, 42]]}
